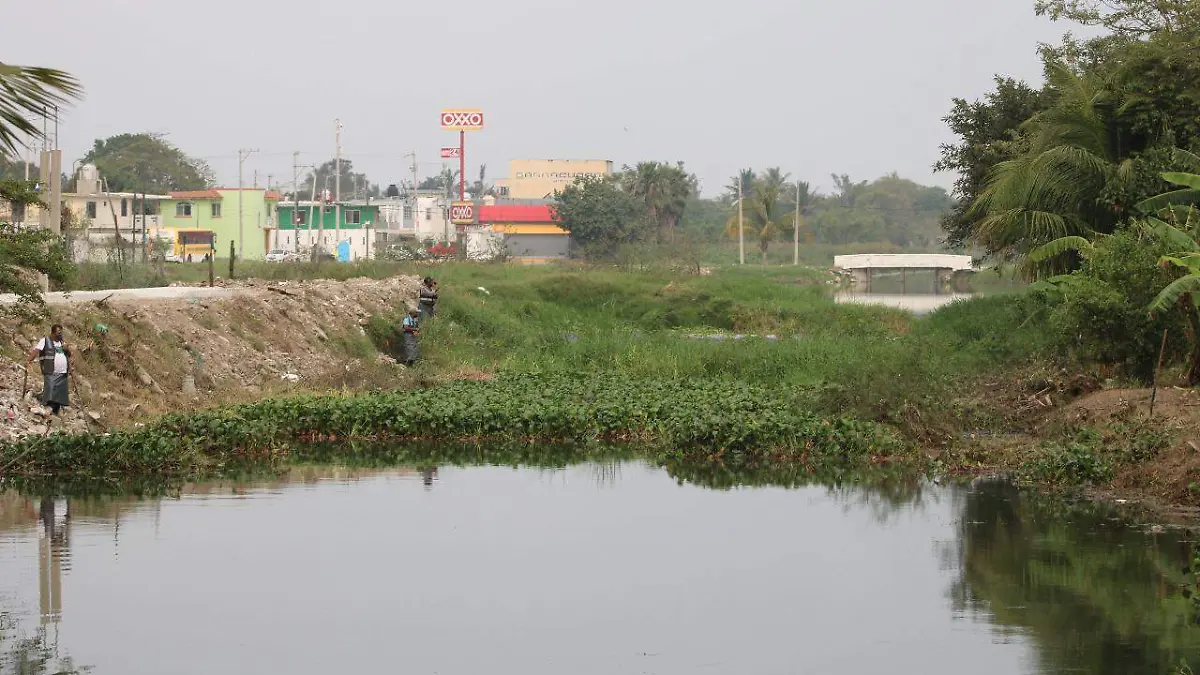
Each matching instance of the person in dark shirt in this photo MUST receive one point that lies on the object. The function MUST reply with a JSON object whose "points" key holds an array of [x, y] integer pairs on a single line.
{"points": [[428, 298]]}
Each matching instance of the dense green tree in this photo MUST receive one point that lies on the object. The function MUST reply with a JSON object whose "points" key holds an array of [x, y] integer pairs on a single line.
{"points": [[354, 185], [664, 189], [25, 253], [1114, 109], [986, 130], [846, 190], [445, 181], [600, 215], [146, 163]]}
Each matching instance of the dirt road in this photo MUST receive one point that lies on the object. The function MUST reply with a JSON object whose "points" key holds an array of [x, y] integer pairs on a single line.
{"points": [[161, 293]]}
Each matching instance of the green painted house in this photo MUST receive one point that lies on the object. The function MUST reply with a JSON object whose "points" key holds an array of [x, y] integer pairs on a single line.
{"points": [[216, 210], [350, 239]]}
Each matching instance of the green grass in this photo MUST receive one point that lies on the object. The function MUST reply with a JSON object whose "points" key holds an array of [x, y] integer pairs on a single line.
{"points": [[592, 354], [101, 276], [841, 359]]}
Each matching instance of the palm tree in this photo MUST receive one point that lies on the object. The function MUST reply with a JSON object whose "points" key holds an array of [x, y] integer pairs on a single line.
{"points": [[763, 209], [747, 177], [848, 191], [1055, 188], [480, 188], [26, 93], [1175, 219], [664, 189], [805, 198]]}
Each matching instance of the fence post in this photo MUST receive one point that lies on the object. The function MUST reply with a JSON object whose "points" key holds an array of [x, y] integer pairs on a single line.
{"points": [[212, 257], [232, 256]]}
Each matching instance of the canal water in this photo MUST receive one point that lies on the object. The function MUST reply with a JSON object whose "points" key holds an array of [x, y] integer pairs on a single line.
{"points": [[917, 292], [588, 570]]}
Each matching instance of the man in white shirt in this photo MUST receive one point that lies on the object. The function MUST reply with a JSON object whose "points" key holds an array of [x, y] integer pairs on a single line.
{"points": [[55, 360]]}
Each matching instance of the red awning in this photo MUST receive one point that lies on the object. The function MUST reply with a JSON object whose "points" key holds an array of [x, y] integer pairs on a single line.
{"points": [[516, 213]]}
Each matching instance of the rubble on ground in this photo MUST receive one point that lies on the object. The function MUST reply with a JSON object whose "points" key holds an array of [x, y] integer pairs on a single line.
{"points": [[134, 357]]}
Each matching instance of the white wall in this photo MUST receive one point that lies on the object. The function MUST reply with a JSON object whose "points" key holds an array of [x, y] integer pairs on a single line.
{"points": [[362, 244]]}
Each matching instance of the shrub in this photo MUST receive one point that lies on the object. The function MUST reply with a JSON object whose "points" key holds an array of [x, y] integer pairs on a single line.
{"points": [[1101, 310]]}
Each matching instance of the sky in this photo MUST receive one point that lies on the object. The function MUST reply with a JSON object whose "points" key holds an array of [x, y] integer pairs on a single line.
{"points": [[855, 87]]}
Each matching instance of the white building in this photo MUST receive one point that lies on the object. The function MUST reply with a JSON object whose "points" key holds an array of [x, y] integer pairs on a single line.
{"points": [[103, 215]]}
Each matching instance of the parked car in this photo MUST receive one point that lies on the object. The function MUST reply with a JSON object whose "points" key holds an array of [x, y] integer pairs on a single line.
{"points": [[278, 255]]}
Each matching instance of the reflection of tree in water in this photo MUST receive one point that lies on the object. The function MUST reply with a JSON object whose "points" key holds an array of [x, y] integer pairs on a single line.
{"points": [[885, 499], [606, 473], [1094, 597], [31, 655]]}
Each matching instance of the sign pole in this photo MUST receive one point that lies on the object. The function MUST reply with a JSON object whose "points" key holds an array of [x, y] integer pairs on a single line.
{"points": [[462, 165]]}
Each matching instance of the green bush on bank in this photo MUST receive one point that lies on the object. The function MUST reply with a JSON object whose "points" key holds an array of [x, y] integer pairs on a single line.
{"points": [[1099, 314]]}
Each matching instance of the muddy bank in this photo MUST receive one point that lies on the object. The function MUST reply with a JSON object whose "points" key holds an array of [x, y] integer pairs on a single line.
{"points": [[1063, 429], [138, 358]]}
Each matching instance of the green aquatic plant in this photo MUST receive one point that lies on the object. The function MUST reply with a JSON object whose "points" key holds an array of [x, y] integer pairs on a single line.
{"points": [[724, 423]]}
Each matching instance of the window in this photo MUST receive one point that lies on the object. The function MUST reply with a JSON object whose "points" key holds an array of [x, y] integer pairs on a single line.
{"points": [[428, 214], [91, 209], [408, 213], [300, 218], [183, 210], [216, 209], [124, 208], [354, 217]]}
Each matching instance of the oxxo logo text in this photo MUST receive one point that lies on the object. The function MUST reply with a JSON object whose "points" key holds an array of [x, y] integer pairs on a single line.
{"points": [[465, 120], [462, 213]]}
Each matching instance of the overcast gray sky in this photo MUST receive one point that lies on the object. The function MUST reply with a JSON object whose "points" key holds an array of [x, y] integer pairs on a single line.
{"points": [[846, 86]]}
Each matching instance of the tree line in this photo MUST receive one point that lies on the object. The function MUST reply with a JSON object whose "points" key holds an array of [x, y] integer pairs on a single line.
{"points": [[1090, 183], [661, 202]]}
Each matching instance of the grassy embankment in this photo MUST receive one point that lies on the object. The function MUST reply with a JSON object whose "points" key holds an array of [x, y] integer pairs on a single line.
{"points": [[594, 356]]}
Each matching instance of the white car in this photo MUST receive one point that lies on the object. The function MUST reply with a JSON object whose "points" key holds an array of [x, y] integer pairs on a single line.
{"points": [[278, 255]]}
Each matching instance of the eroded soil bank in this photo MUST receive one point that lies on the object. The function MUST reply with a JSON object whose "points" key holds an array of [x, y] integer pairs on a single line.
{"points": [[133, 356]]}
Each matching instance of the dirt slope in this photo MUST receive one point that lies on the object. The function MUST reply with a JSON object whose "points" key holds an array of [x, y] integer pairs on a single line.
{"points": [[132, 355]]}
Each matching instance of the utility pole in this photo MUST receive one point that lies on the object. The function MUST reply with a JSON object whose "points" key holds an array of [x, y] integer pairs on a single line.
{"points": [[337, 183], [741, 237], [413, 154], [796, 229], [296, 199], [241, 245]]}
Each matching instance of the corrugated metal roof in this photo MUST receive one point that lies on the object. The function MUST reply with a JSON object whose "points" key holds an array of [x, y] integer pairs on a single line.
{"points": [[512, 213]]}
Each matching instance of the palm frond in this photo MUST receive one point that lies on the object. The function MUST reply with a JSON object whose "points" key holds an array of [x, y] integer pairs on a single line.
{"points": [[1176, 237], [1187, 180], [1060, 246], [27, 93], [1166, 200], [1169, 296]]}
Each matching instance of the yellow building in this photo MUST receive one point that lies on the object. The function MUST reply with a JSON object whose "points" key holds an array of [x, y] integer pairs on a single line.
{"points": [[540, 178]]}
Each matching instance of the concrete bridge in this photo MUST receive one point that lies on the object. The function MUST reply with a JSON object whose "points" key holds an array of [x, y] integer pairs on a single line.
{"points": [[949, 270]]}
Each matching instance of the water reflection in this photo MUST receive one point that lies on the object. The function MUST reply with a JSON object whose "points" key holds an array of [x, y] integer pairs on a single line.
{"points": [[917, 303], [603, 567], [1096, 596]]}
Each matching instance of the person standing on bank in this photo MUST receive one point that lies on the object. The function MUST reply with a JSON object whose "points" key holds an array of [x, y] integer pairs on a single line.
{"points": [[412, 329], [429, 297], [55, 360]]}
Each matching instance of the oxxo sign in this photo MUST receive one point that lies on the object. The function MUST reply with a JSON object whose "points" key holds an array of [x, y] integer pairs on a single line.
{"points": [[462, 120], [462, 213]]}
